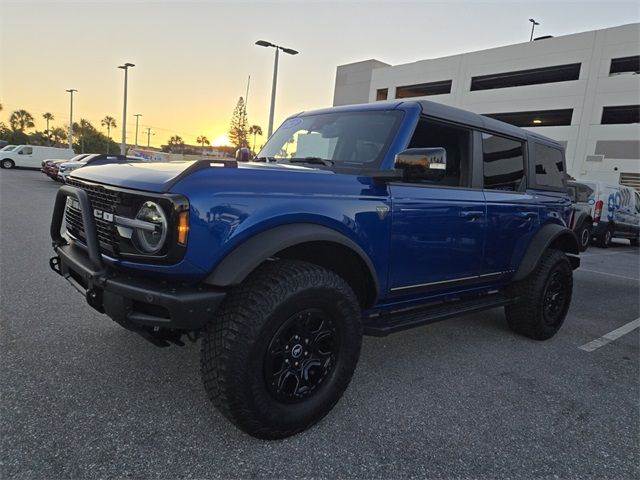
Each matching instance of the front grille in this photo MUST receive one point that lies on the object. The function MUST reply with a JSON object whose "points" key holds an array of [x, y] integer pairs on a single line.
{"points": [[101, 199]]}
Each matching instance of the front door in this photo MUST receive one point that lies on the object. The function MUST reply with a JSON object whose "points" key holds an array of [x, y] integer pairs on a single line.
{"points": [[438, 225]]}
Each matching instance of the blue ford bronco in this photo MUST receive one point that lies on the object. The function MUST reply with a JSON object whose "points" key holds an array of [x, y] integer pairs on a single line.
{"points": [[365, 219]]}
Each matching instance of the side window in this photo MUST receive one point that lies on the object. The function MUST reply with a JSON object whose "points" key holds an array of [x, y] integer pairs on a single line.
{"points": [[26, 151], [503, 162], [456, 142], [549, 166]]}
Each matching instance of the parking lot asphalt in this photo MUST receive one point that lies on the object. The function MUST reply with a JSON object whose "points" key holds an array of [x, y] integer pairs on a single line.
{"points": [[466, 398]]}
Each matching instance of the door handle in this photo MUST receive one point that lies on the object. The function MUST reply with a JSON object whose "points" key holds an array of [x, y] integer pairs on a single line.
{"points": [[471, 214], [527, 215]]}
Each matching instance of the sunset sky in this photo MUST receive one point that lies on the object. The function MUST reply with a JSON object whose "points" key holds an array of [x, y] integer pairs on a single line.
{"points": [[193, 57]]}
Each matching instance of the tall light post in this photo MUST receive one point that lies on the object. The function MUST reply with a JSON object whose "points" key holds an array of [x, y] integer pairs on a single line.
{"points": [[533, 26], [71, 92], [137, 115], [290, 51], [123, 145]]}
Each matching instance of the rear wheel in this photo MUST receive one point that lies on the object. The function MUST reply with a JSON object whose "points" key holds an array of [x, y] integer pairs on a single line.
{"points": [[282, 349], [604, 239], [584, 235], [7, 163], [544, 297]]}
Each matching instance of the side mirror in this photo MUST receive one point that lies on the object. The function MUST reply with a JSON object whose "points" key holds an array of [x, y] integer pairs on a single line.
{"points": [[243, 155], [419, 164]]}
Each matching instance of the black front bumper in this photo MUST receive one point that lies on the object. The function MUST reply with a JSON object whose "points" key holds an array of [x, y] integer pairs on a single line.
{"points": [[134, 302]]}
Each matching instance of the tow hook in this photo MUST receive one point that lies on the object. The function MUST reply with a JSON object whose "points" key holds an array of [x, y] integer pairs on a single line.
{"points": [[54, 263]]}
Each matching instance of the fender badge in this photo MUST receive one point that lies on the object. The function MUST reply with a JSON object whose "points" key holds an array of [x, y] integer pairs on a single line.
{"points": [[382, 212]]}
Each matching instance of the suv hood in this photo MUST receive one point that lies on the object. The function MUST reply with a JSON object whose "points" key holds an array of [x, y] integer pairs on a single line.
{"points": [[159, 176]]}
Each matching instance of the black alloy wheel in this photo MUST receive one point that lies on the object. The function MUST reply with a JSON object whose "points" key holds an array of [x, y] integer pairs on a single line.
{"points": [[301, 355], [555, 297]]}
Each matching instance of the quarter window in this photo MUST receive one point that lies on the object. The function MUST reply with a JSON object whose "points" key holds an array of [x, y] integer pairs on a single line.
{"points": [[549, 166], [503, 160]]}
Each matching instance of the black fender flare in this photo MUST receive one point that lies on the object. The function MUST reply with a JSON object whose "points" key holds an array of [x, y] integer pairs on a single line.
{"points": [[582, 217], [241, 261], [551, 234]]}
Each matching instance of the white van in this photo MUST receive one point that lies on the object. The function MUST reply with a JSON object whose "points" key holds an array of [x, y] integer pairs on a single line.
{"points": [[615, 210], [31, 156]]}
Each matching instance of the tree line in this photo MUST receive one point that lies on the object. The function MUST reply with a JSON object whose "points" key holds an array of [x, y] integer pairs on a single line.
{"points": [[86, 137]]}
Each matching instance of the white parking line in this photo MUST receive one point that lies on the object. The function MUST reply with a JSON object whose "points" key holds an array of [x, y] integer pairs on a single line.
{"points": [[611, 336], [581, 269], [604, 254]]}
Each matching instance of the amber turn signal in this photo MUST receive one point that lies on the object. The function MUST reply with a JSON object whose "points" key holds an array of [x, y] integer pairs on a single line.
{"points": [[183, 227]]}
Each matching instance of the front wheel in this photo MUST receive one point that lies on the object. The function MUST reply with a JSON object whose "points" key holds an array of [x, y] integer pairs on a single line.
{"points": [[282, 349], [7, 163], [544, 297]]}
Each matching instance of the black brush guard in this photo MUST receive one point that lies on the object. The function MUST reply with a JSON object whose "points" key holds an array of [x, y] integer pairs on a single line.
{"points": [[159, 311]]}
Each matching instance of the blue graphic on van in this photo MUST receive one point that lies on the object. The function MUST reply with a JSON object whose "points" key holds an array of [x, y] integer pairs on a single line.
{"points": [[613, 204]]}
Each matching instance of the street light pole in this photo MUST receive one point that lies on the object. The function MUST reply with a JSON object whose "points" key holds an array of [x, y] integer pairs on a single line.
{"points": [[137, 115], [123, 145], [533, 26], [71, 91], [290, 51]]}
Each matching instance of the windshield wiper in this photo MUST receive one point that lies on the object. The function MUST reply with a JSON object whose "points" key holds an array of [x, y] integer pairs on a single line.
{"points": [[312, 161], [264, 159]]}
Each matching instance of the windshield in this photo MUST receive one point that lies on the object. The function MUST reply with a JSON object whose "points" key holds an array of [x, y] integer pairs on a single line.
{"points": [[352, 140], [8, 148]]}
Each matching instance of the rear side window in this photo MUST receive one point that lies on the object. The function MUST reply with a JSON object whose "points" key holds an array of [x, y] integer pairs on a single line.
{"points": [[549, 166], [503, 160]]}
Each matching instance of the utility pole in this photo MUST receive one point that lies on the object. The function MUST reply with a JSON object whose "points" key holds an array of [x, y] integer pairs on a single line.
{"points": [[137, 115], [149, 137]]}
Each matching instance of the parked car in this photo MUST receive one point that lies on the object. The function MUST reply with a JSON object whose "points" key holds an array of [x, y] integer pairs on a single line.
{"points": [[615, 210], [65, 168], [360, 219], [50, 165], [31, 156]]}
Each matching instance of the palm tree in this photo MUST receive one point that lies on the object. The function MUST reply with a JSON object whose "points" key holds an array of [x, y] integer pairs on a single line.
{"points": [[83, 128], [203, 141], [110, 123], [48, 117], [176, 141], [59, 135], [255, 130], [20, 120]]}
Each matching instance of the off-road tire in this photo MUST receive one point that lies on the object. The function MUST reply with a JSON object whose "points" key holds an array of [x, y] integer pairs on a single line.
{"points": [[604, 239], [529, 316], [7, 163], [233, 357], [584, 236]]}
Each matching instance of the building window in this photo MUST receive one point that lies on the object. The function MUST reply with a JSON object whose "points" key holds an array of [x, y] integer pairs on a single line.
{"points": [[424, 89], [625, 65], [503, 161], [535, 118], [621, 114], [381, 94], [535, 76], [549, 166]]}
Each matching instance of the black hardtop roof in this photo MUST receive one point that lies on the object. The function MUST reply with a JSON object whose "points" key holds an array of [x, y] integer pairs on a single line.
{"points": [[480, 121]]}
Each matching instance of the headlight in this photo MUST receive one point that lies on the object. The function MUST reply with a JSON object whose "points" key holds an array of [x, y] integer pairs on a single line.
{"points": [[151, 238]]}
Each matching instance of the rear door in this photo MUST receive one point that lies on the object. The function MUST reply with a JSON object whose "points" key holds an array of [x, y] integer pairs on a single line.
{"points": [[513, 216]]}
